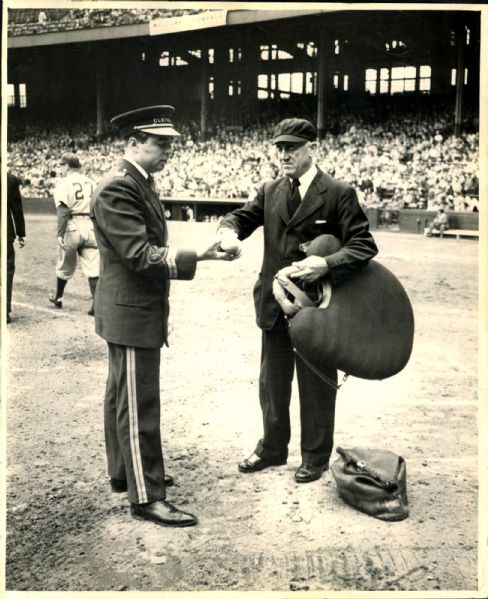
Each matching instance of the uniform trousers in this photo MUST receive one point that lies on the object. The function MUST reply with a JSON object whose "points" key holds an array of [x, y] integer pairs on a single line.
{"points": [[81, 245], [317, 401], [132, 422], [10, 273]]}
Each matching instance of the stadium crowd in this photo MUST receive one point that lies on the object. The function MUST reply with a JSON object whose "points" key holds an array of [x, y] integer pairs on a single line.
{"points": [[404, 161], [49, 20]]}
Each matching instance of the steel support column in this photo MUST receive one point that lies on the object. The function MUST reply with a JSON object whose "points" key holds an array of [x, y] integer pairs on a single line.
{"points": [[458, 111], [204, 94], [321, 85]]}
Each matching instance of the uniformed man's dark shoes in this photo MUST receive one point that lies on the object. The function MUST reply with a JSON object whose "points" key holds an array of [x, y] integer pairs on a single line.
{"points": [[119, 485], [254, 463], [57, 303], [163, 513], [309, 472], [91, 311]]}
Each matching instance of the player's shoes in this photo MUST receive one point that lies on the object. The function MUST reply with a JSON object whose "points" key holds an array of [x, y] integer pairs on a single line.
{"points": [[57, 303], [91, 311]]}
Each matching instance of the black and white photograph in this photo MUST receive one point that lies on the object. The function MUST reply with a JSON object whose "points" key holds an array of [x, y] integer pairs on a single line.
{"points": [[243, 319]]}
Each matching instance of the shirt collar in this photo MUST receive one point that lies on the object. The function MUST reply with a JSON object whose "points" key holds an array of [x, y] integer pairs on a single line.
{"points": [[306, 179], [143, 171]]}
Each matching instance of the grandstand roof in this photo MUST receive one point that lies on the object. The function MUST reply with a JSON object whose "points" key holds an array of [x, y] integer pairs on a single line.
{"points": [[60, 30]]}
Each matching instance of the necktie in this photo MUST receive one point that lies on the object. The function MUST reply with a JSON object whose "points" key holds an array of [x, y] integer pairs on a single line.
{"points": [[294, 200], [150, 180]]}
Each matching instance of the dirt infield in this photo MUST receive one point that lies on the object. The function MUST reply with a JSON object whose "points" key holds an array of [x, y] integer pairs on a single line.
{"points": [[67, 532]]}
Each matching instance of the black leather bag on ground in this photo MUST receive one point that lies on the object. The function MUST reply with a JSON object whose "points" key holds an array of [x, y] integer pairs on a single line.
{"points": [[373, 481]]}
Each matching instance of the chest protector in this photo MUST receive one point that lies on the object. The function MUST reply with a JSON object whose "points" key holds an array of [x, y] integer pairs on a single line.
{"points": [[363, 327]]}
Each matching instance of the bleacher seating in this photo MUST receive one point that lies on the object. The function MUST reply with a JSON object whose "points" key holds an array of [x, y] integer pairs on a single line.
{"points": [[31, 21], [400, 161]]}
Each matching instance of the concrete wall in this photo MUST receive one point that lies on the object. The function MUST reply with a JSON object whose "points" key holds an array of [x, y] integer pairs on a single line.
{"points": [[410, 221], [414, 221]]}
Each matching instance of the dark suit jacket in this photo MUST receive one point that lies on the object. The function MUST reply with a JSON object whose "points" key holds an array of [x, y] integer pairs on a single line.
{"points": [[15, 213], [329, 206], [136, 264]]}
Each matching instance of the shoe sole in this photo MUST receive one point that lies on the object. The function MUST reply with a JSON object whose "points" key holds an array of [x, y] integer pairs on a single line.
{"points": [[310, 480], [167, 524], [307, 480], [259, 468]]}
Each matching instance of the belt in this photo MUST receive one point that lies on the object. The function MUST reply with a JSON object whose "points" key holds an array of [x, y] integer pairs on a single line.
{"points": [[80, 214]]}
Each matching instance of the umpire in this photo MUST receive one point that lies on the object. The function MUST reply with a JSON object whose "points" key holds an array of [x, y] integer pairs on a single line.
{"points": [[136, 265], [294, 209]]}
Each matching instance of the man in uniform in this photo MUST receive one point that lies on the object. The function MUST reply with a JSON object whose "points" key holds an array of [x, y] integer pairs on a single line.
{"points": [[75, 230], [15, 229], [294, 209], [136, 266]]}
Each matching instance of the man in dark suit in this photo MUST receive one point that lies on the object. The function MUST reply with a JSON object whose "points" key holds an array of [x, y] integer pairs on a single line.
{"points": [[295, 209], [136, 266], [15, 229]]}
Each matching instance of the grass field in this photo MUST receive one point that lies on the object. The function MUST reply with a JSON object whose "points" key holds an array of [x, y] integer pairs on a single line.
{"points": [[260, 532]]}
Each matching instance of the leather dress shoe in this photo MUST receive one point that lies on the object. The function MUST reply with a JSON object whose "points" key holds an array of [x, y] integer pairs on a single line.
{"points": [[254, 463], [119, 485], [309, 472], [163, 513], [57, 303]]}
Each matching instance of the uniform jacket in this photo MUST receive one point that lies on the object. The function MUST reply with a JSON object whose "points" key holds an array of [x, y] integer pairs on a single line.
{"points": [[329, 206], [15, 213], [136, 264]]}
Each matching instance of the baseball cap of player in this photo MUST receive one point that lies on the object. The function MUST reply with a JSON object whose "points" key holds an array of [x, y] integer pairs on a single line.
{"points": [[295, 131], [156, 120], [71, 160]]}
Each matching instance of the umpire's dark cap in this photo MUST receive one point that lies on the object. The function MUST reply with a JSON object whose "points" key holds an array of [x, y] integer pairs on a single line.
{"points": [[71, 160], [294, 131], [156, 120]]}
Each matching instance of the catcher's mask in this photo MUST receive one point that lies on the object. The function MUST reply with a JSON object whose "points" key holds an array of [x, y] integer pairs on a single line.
{"points": [[294, 296]]}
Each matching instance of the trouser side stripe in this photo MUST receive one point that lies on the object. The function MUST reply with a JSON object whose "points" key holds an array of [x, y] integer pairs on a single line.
{"points": [[134, 425]]}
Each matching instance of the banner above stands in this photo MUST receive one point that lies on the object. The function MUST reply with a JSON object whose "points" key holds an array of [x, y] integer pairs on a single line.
{"points": [[204, 20]]}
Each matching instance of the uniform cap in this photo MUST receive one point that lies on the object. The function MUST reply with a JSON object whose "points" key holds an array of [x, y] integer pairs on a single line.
{"points": [[71, 160], [295, 131], [156, 120]]}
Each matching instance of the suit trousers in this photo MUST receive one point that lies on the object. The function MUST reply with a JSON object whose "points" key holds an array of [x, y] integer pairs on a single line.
{"points": [[10, 273], [317, 401], [132, 422]]}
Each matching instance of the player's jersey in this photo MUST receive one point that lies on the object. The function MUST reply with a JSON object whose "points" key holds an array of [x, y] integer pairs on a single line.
{"points": [[75, 191]]}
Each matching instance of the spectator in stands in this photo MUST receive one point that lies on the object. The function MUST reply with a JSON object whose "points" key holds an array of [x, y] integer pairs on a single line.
{"points": [[380, 156], [440, 223]]}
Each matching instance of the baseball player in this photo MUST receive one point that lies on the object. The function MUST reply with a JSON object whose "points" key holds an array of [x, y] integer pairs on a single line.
{"points": [[76, 238]]}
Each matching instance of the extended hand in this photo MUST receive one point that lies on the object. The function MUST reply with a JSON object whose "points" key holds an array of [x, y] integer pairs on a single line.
{"points": [[310, 269], [229, 242], [214, 252]]}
